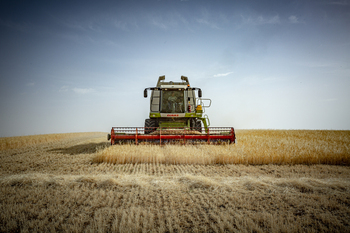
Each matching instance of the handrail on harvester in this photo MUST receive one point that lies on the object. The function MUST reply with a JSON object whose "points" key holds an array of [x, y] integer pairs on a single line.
{"points": [[138, 134]]}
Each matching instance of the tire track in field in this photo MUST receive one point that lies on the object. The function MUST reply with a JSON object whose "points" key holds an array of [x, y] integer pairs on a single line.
{"points": [[160, 216], [122, 220], [221, 210], [214, 221], [170, 210], [216, 206], [205, 208]]}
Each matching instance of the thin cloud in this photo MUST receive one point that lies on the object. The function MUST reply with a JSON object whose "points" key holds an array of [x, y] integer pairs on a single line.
{"points": [[293, 19], [272, 20], [30, 84], [83, 90], [222, 75], [91, 25], [340, 3], [182, 21], [24, 27], [207, 19], [125, 24], [159, 23], [172, 20], [261, 20], [105, 42], [207, 23], [120, 25], [63, 89]]}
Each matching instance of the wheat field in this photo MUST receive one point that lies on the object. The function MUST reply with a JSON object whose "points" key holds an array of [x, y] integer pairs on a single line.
{"points": [[23, 141], [269, 181]]}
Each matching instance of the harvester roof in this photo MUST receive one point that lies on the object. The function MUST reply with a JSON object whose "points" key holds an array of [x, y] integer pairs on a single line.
{"points": [[171, 84]]}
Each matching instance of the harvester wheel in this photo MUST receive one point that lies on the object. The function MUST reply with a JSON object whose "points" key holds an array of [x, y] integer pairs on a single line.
{"points": [[199, 126], [150, 126]]}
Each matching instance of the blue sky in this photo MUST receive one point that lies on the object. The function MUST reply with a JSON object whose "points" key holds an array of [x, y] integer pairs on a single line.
{"points": [[78, 66]]}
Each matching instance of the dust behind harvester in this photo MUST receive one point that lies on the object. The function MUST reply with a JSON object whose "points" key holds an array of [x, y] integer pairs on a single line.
{"points": [[176, 114]]}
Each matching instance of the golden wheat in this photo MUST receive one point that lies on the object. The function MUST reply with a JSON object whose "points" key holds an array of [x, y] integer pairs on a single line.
{"points": [[23, 141], [252, 147]]}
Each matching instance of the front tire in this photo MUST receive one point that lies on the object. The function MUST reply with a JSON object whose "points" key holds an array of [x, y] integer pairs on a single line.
{"points": [[150, 126], [199, 126]]}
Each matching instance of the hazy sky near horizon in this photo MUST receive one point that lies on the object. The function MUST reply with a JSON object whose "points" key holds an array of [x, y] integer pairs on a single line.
{"points": [[78, 66]]}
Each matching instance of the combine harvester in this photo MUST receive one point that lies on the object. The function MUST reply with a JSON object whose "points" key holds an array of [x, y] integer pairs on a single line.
{"points": [[175, 115]]}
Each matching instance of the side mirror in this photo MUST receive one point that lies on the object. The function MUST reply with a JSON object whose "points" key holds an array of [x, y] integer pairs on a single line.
{"points": [[145, 93], [199, 93]]}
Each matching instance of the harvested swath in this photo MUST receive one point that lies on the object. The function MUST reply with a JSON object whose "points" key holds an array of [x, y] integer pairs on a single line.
{"points": [[169, 154], [253, 147]]}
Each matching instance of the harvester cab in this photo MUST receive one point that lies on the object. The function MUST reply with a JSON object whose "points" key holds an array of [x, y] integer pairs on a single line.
{"points": [[174, 105], [175, 114]]}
